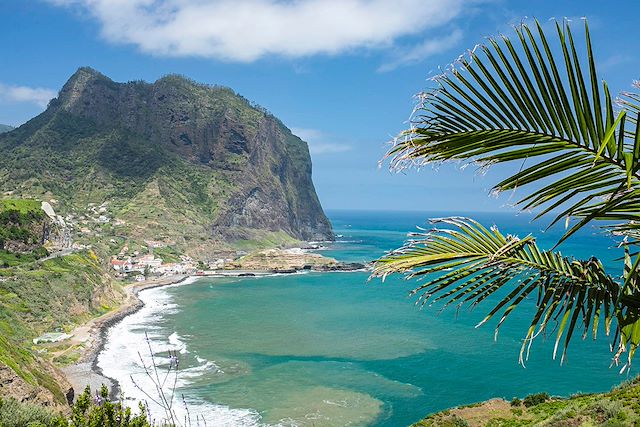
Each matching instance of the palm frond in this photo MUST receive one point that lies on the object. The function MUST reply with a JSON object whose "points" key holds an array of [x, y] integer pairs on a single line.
{"points": [[519, 101], [627, 337], [467, 263]]}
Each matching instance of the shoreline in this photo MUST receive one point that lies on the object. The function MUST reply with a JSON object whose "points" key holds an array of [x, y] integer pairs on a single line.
{"points": [[92, 334], [86, 372]]}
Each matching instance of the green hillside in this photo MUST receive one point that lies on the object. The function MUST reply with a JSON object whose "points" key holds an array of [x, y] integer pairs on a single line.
{"points": [[41, 295]]}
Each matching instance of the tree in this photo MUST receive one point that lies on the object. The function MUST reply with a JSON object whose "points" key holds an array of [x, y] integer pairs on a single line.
{"points": [[537, 105]]}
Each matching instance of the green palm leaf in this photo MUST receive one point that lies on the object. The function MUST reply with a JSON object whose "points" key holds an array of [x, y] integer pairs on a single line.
{"points": [[467, 263], [545, 109], [516, 101]]}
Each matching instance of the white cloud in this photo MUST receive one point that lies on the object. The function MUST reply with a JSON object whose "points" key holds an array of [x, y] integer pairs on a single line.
{"points": [[246, 30], [417, 53], [33, 95], [318, 141]]}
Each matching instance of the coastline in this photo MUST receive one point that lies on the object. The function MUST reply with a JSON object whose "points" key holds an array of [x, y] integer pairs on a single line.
{"points": [[92, 335]]}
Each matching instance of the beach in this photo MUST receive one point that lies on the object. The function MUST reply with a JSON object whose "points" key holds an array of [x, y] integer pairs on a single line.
{"points": [[91, 336]]}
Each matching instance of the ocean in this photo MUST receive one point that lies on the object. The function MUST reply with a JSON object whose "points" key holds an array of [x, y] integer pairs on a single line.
{"points": [[335, 349]]}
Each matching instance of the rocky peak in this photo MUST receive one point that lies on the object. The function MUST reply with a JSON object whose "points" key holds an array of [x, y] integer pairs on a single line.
{"points": [[77, 86]]}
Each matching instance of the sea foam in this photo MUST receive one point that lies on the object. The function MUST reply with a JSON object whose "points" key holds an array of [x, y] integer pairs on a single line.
{"points": [[126, 353]]}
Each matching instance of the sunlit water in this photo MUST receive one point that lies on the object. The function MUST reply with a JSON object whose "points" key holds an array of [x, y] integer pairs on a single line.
{"points": [[331, 349]]}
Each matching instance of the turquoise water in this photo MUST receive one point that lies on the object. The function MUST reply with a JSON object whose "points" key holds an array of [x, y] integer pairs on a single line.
{"points": [[333, 349]]}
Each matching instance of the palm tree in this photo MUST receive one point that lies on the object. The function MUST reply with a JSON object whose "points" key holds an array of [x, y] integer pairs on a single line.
{"points": [[577, 151]]}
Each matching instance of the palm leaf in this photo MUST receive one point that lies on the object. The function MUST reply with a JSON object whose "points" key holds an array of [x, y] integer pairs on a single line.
{"points": [[517, 101], [627, 337], [467, 263]]}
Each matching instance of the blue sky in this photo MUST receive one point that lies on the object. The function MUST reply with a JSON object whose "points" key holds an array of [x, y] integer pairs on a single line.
{"points": [[340, 73]]}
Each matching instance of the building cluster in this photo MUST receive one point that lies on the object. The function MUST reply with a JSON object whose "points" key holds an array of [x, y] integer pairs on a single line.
{"points": [[140, 266]]}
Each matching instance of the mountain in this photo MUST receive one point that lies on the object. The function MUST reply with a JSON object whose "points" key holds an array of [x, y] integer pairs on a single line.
{"points": [[174, 161], [5, 128]]}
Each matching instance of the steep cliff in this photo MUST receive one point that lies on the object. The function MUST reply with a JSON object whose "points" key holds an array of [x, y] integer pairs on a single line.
{"points": [[174, 160]]}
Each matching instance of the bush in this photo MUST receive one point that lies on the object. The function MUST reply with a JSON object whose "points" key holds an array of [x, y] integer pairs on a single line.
{"points": [[99, 411], [605, 409], [535, 399], [516, 402], [16, 414], [88, 411], [455, 421]]}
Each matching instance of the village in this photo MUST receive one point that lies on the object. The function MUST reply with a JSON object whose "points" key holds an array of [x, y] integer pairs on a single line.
{"points": [[139, 267]]}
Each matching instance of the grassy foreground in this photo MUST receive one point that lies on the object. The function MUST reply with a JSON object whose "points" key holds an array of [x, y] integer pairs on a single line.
{"points": [[619, 407]]}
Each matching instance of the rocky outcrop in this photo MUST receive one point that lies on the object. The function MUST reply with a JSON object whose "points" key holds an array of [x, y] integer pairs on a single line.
{"points": [[290, 261], [13, 385], [269, 167]]}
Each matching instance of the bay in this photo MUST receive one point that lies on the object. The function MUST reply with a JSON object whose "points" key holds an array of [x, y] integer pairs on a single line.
{"points": [[335, 349]]}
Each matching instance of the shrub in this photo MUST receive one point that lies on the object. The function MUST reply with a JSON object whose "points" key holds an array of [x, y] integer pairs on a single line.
{"points": [[99, 411], [605, 409], [88, 411], [516, 402], [614, 423], [17, 414], [455, 421], [535, 399]]}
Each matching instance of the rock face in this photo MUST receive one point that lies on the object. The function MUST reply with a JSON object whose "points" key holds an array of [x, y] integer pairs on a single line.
{"points": [[13, 385], [214, 163]]}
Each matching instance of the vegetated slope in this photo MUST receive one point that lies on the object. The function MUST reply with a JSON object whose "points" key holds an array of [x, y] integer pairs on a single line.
{"points": [[619, 407], [23, 227], [5, 128], [40, 295], [175, 160]]}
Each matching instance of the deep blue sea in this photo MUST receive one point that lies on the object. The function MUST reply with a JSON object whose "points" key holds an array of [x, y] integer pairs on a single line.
{"points": [[334, 349]]}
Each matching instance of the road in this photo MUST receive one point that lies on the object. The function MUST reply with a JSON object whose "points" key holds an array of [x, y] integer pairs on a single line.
{"points": [[63, 252]]}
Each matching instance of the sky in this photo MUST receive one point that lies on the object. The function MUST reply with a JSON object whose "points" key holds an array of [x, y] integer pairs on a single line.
{"points": [[342, 74]]}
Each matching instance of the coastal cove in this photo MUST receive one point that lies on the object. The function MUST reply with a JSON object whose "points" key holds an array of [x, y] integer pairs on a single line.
{"points": [[359, 213], [333, 349]]}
